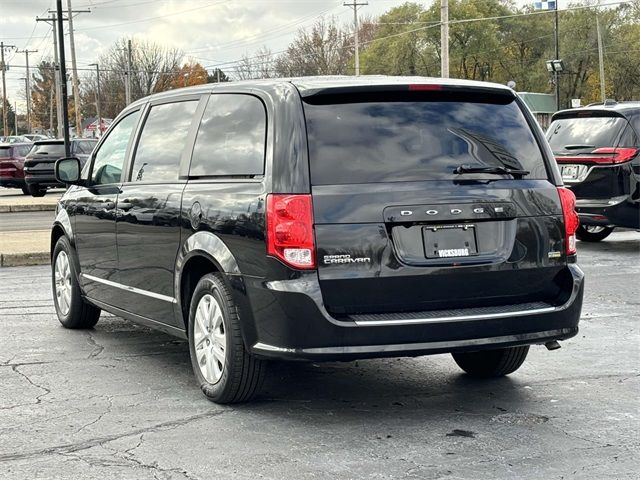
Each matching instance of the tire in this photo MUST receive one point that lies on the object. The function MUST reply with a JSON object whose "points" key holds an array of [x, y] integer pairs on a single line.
{"points": [[241, 375], [72, 310], [492, 363], [593, 233], [25, 190], [36, 190]]}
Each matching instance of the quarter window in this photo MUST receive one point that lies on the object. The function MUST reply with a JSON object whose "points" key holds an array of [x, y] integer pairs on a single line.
{"points": [[162, 142], [109, 159], [231, 137]]}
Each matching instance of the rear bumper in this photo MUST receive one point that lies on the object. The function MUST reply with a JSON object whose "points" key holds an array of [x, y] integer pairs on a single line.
{"points": [[11, 174], [286, 319], [617, 212], [44, 178]]}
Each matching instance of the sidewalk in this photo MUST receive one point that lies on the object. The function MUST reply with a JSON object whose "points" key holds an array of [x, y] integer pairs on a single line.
{"points": [[26, 203], [25, 247]]}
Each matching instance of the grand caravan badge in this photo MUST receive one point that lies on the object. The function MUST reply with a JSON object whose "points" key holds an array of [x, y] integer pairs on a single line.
{"points": [[337, 259]]}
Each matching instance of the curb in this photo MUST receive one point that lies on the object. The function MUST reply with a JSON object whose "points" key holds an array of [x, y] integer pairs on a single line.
{"points": [[24, 259], [38, 207]]}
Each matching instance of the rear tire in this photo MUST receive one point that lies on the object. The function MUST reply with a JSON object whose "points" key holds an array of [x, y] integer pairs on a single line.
{"points": [[25, 190], [593, 233], [36, 190], [492, 363], [223, 368], [72, 310]]}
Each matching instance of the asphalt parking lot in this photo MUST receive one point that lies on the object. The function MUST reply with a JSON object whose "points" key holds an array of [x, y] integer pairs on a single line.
{"points": [[120, 401]]}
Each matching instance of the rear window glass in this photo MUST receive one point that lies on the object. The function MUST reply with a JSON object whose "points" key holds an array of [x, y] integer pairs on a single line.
{"points": [[568, 134], [48, 149], [417, 139], [5, 152]]}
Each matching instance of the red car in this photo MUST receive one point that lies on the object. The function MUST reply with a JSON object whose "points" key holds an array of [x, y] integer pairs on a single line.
{"points": [[12, 165]]}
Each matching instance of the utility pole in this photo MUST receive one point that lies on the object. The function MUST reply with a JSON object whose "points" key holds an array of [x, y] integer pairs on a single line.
{"points": [[76, 89], [600, 59], [98, 97], [3, 67], [354, 5], [15, 116], [556, 73], [63, 76], [127, 85], [444, 38], [28, 85], [26, 91], [51, 110], [52, 19]]}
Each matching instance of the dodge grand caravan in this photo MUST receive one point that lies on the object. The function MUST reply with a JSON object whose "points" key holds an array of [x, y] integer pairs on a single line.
{"points": [[323, 219]]}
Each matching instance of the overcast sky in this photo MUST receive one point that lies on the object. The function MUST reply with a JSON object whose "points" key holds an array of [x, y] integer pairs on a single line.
{"points": [[210, 31]]}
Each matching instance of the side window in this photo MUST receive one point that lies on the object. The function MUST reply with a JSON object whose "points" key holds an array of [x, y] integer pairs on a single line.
{"points": [[23, 151], [162, 141], [109, 159], [231, 137]]}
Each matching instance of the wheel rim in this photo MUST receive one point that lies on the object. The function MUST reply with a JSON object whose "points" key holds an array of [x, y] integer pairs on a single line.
{"points": [[62, 278], [209, 337], [593, 229]]}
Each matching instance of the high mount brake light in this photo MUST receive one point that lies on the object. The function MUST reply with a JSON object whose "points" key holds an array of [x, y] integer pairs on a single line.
{"points": [[428, 87], [571, 220], [602, 156], [290, 230]]}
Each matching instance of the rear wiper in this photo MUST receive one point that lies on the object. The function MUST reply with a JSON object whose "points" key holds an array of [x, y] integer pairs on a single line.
{"points": [[462, 169], [578, 147]]}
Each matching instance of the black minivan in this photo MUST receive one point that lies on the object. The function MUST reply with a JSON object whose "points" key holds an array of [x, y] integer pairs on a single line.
{"points": [[598, 151], [323, 218]]}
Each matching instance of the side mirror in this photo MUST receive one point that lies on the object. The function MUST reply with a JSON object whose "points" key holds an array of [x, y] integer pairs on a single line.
{"points": [[68, 171]]}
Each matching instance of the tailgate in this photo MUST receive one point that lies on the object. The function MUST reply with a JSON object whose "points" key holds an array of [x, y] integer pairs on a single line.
{"points": [[397, 230]]}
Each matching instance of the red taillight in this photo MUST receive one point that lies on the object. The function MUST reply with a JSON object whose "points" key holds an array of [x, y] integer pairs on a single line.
{"points": [[429, 87], [571, 220], [290, 230], [602, 156]]}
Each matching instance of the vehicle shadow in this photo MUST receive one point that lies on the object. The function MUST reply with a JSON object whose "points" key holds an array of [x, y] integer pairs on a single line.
{"points": [[629, 242]]}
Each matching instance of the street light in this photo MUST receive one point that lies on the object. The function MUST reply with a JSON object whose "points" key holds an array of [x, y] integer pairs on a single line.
{"points": [[555, 66], [98, 97]]}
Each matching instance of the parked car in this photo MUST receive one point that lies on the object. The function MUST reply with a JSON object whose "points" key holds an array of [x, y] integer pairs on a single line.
{"points": [[12, 157], [597, 148], [323, 219], [14, 139], [39, 164], [34, 137]]}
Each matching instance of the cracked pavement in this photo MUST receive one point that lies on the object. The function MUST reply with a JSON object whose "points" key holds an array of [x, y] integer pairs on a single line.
{"points": [[120, 401]]}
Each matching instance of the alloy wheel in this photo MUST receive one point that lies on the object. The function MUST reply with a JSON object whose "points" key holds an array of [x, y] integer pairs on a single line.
{"points": [[62, 275], [209, 336]]}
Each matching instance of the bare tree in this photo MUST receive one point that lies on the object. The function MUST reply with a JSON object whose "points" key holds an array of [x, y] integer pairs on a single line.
{"points": [[324, 49], [260, 65]]}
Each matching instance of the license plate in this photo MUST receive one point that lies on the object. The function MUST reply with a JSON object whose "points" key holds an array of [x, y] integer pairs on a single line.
{"points": [[569, 172], [449, 241]]}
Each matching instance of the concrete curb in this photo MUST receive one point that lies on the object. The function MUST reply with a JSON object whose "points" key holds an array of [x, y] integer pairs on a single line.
{"points": [[24, 259], [36, 207]]}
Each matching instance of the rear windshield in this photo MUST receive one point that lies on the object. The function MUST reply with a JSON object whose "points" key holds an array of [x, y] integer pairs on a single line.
{"points": [[569, 134], [416, 139], [48, 149], [5, 152]]}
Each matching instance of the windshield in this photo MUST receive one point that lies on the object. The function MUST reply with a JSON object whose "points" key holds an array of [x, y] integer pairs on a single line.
{"points": [[48, 149], [575, 134], [390, 141]]}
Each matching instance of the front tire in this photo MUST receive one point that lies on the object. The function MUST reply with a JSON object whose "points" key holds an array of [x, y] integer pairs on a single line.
{"points": [[492, 363], [222, 366], [36, 190], [72, 310], [593, 233]]}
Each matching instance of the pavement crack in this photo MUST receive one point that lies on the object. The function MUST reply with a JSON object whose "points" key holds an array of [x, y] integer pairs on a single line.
{"points": [[97, 348], [46, 391], [99, 417], [93, 442]]}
